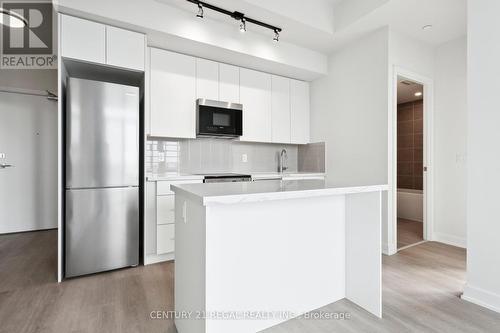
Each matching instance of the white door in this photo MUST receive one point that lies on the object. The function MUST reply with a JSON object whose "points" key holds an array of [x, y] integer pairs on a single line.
{"points": [[28, 142], [255, 95], [280, 109]]}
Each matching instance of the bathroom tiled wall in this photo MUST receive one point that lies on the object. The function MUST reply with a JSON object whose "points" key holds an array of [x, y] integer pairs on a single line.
{"points": [[215, 155], [410, 145]]}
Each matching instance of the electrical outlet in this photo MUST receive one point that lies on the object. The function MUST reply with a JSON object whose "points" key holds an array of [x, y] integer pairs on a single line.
{"points": [[2, 155], [244, 158]]}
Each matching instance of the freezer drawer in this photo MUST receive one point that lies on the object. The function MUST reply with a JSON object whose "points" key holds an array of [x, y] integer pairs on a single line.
{"points": [[102, 230]]}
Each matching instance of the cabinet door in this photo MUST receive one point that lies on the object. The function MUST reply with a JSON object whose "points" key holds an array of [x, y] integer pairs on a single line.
{"points": [[229, 83], [299, 115], [165, 238], [165, 209], [280, 109], [173, 94], [207, 79], [125, 48], [255, 95], [83, 40]]}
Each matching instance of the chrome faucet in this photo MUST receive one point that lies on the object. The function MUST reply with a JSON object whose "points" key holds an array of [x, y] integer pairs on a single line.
{"points": [[283, 159]]}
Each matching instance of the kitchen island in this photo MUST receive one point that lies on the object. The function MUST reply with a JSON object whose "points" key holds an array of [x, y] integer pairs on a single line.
{"points": [[250, 255]]}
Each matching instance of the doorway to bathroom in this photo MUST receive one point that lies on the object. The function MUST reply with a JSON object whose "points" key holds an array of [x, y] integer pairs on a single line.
{"points": [[410, 167]]}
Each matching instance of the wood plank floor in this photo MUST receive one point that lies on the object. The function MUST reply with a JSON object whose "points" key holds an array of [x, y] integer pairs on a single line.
{"points": [[409, 232], [420, 294]]}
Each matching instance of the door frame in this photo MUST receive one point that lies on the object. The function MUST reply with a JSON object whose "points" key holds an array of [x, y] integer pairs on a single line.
{"points": [[428, 180]]}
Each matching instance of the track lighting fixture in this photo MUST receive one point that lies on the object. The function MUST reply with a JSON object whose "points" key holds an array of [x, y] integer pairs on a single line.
{"points": [[276, 36], [237, 16], [200, 11], [243, 25]]}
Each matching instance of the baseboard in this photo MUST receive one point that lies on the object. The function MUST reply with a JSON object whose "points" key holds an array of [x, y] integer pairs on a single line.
{"points": [[449, 239], [389, 250], [156, 258], [482, 298], [11, 232]]}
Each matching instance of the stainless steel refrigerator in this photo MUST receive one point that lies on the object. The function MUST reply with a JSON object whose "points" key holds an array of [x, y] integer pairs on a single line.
{"points": [[102, 177]]}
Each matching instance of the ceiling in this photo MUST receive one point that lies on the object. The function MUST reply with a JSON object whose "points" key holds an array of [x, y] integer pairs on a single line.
{"points": [[407, 90], [326, 25]]}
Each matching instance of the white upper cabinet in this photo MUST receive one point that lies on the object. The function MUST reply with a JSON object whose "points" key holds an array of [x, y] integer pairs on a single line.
{"points": [[125, 48], [101, 44], [280, 109], [229, 83], [82, 39], [172, 94], [207, 79], [299, 111], [255, 95]]}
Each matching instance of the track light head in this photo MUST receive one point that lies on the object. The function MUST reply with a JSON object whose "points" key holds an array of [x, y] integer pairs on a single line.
{"points": [[238, 16], [276, 35], [243, 25], [200, 11]]}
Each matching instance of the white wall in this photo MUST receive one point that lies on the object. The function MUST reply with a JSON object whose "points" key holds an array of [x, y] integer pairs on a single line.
{"points": [[450, 129], [29, 79], [349, 111], [483, 177], [411, 54]]}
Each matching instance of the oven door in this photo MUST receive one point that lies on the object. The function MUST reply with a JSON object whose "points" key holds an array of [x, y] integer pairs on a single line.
{"points": [[218, 119]]}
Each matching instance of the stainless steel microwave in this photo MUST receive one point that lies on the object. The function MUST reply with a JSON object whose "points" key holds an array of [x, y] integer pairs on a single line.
{"points": [[218, 119]]}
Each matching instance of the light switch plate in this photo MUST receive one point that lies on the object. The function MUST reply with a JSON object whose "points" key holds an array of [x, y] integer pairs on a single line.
{"points": [[244, 158], [2, 155]]}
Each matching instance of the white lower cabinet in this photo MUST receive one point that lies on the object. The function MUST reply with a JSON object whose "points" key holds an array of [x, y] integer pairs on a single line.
{"points": [[165, 238], [165, 209], [159, 225]]}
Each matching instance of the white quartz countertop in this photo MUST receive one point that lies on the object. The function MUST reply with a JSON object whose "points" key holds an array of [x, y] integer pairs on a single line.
{"points": [[242, 192], [277, 175], [172, 177], [255, 176]]}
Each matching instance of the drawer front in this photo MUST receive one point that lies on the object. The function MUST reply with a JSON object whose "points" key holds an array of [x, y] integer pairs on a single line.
{"points": [[163, 187], [165, 209], [165, 238]]}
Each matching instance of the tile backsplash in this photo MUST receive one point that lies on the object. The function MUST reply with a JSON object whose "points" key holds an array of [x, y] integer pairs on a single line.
{"points": [[312, 157], [215, 155]]}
